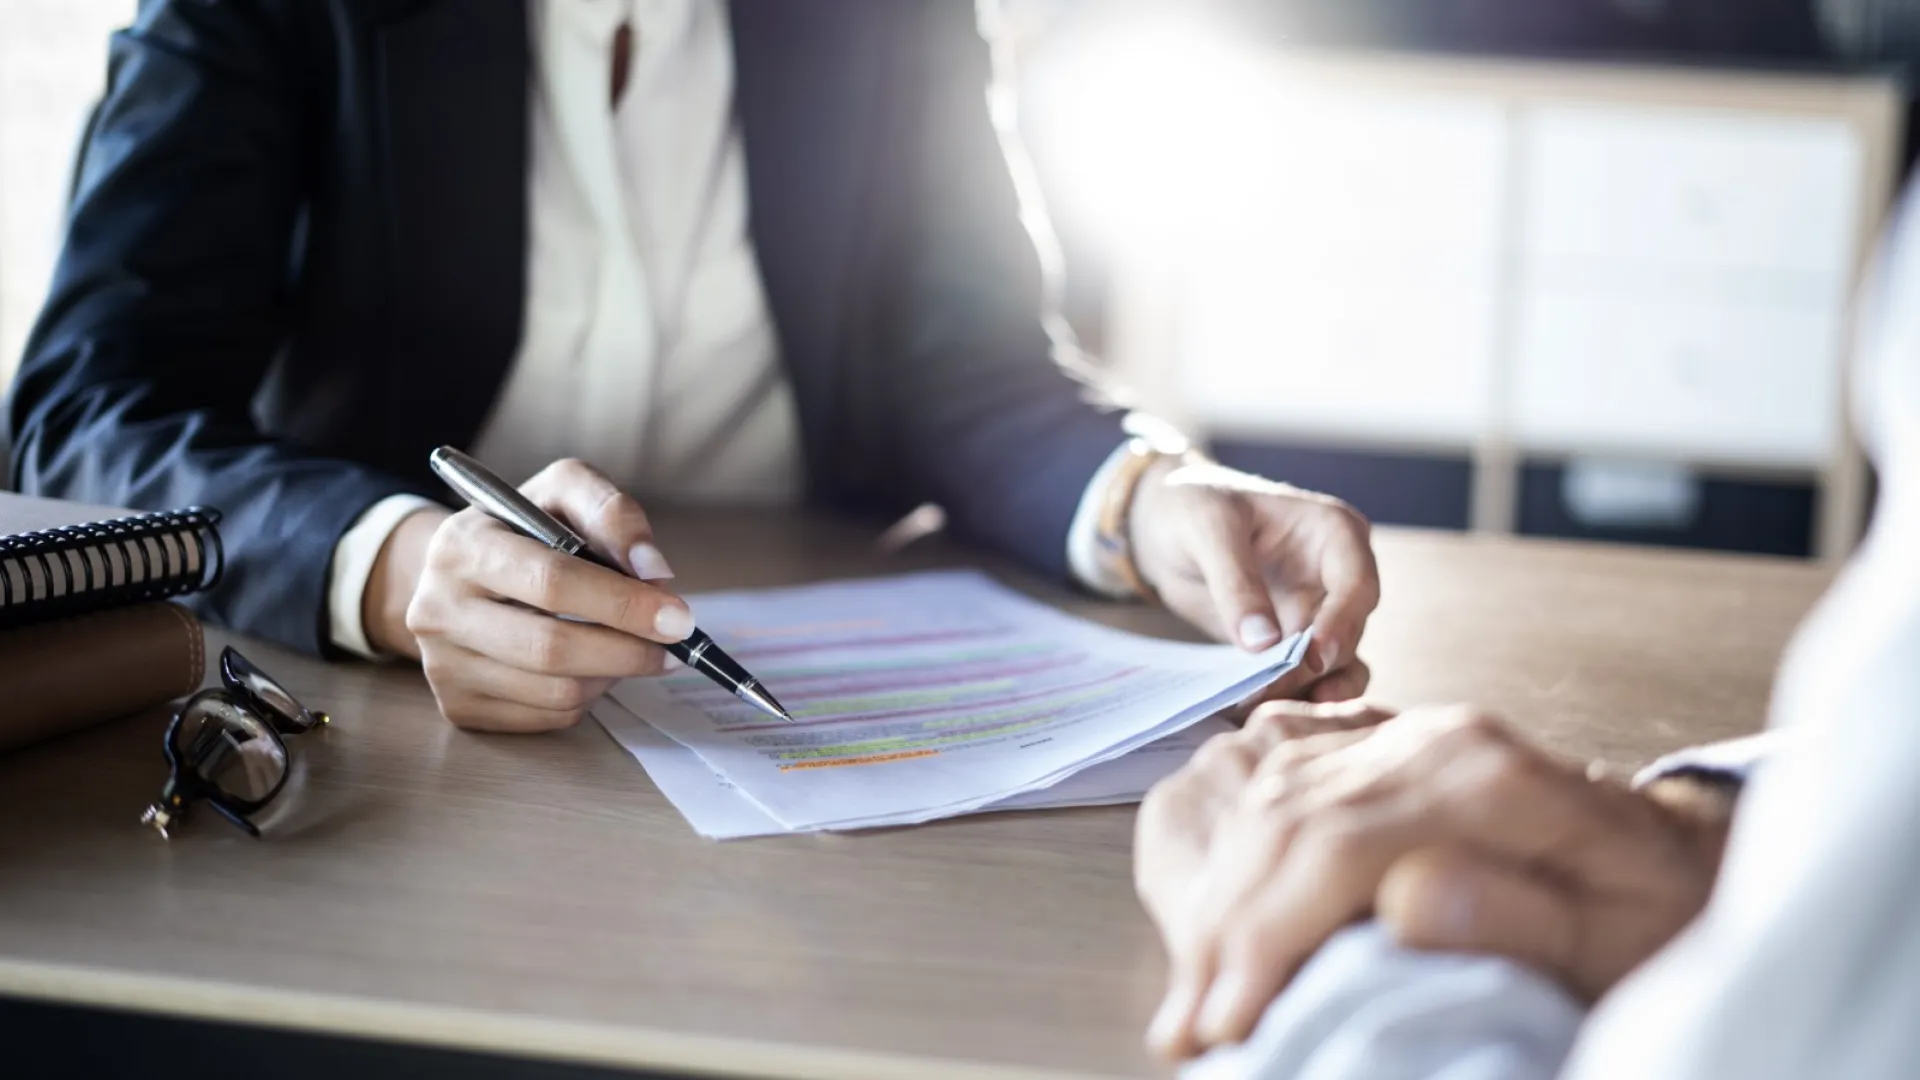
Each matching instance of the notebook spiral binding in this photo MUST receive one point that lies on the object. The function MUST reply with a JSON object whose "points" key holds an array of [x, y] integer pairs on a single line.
{"points": [[75, 569]]}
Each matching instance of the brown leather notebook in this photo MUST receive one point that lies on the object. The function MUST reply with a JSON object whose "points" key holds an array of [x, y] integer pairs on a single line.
{"points": [[85, 632], [79, 671]]}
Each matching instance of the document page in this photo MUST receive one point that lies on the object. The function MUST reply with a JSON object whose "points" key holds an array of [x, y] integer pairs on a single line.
{"points": [[928, 695], [717, 810]]}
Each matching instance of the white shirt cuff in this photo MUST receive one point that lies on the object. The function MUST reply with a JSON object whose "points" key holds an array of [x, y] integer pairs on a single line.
{"points": [[1365, 1006], [353, 559], [1083, 536], [1735, 759]]}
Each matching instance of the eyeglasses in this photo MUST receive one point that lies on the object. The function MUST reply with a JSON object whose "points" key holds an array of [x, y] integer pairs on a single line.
{"points": [[224, 747]]}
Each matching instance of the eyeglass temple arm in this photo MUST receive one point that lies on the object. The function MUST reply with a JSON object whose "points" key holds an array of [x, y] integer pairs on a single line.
{"points": [[240, 822]]}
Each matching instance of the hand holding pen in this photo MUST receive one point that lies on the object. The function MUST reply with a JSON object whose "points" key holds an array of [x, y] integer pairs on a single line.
{"points": [[483, 610]]}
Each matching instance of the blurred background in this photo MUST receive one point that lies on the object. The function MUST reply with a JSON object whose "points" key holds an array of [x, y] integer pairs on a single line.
{"points": [[1561, 267]]}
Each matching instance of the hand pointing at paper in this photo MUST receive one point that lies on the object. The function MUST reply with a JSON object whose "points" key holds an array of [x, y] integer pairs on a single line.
{"points": [[1253, 561], [475, 602]]}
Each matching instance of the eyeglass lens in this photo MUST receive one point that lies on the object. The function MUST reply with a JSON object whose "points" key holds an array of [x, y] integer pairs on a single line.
{"points": [[230, 750]]}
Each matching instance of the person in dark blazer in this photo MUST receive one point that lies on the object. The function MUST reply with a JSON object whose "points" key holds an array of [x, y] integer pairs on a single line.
{"points": [[746, 251]]}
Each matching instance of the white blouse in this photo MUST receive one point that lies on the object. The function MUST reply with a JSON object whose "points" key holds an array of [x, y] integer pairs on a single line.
{"points": [[647, 347]]}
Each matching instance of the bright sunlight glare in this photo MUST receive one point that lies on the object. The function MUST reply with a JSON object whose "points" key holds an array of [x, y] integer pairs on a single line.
{"points": [[1150, 123]]}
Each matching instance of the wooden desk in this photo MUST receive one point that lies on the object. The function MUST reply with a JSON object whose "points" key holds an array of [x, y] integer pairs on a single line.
{"points": [[537, 896]]}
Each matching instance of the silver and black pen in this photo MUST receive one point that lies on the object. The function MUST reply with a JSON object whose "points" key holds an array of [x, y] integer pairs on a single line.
{"points": [[482, 489]]}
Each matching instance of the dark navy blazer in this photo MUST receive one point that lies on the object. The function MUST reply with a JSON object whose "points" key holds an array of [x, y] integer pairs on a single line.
{"points": [[296, 264]]}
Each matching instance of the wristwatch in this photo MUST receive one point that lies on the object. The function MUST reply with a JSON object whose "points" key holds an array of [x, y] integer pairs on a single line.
{"points": [[1149, 443]]}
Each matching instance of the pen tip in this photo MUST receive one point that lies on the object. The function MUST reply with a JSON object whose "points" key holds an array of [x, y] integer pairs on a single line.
{"points": [[765, 702]]}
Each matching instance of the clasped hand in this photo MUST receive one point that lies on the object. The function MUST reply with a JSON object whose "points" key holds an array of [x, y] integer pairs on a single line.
{"points": [[1442, 823]]}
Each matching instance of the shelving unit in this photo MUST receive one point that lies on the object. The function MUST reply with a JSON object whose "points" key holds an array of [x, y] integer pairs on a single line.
{"points": [[1517, 260]]}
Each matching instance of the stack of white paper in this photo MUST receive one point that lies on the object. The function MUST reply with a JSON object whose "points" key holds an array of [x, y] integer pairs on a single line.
{"points": [[922, 697], [718, 810]]}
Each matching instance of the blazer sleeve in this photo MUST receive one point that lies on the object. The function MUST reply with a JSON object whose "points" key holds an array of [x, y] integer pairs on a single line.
{"points": [[968, 406], [170, 300]]}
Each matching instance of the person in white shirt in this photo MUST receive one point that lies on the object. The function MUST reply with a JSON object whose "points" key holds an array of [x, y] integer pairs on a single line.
{"points": [[1782, 947], [741, 252]]}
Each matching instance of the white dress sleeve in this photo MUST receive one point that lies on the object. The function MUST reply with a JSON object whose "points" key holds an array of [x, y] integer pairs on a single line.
{"points": [[1366, 1009]]}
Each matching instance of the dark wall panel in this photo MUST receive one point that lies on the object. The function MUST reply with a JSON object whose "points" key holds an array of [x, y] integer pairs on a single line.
{"points": [[1392, 489]]}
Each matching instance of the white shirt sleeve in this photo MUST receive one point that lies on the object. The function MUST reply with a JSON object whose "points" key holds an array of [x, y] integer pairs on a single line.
{"points": [[1083, 536], [1364, 1008], [353, 559]]}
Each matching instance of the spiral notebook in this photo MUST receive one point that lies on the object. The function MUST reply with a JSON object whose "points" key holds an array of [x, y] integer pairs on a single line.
{"points": [[86, 630], [74, 569]]}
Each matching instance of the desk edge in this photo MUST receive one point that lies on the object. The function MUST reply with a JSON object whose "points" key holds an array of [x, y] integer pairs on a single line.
{"points": [[479, 1031]]}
